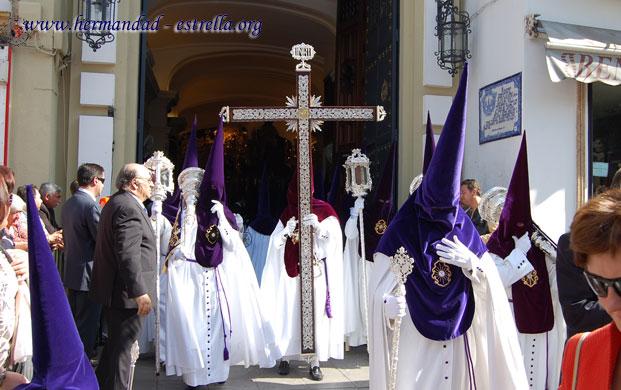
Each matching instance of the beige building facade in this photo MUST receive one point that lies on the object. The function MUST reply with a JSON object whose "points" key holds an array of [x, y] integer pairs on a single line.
{"points": [[69, 105]]}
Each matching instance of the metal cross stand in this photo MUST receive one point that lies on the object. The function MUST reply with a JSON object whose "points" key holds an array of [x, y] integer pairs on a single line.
{"points": [[303, 113], [358, 182], [401, 265], [163, 184]]}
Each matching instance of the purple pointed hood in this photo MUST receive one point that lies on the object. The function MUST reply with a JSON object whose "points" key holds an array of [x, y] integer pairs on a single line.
{"points": [[171, 205], [58, 354], [532, 302], [430, 144], [264, 222], [439, 296], [208, 247], [380, 211]]}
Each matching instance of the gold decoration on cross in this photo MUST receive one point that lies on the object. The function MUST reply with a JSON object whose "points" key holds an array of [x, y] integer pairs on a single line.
{"points": [[303, 113]]}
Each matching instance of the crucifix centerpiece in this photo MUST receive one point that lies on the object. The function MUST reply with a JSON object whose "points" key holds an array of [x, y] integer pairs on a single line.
{"points": [[304, 114]]}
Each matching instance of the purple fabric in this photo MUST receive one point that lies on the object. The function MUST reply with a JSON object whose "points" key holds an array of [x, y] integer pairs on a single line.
{"points": [[431, 213], [320, 191], [212, 188], [264, 222], [171, 205], [58, 354], [328, 303], [532, 306], [382, 208], [430, 144]]}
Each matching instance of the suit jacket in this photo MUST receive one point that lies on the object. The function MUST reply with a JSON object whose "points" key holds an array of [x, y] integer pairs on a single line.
{"points": [[581, 310], [49, 219], [124, 266], [80, 219]]}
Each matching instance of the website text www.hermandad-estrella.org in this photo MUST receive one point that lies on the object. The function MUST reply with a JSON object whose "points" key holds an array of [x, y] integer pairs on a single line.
{"points": [[218, 24]]}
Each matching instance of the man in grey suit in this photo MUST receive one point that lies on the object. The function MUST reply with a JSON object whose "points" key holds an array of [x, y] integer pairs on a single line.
{"points": [[124, 272], [80, 218]]}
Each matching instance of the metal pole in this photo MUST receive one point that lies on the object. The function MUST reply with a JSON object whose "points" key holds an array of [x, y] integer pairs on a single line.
{"points": [[365, 286], [401, 264]]}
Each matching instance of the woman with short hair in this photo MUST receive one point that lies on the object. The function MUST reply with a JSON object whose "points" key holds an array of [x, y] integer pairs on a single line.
{"points": [[591, 358]]}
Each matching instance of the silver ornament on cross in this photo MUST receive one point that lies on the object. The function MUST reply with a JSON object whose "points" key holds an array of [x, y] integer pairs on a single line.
{"points": [[304, 113]]}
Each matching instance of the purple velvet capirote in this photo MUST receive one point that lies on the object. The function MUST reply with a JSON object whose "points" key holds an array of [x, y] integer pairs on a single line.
{"points": [[212, 188], [532, 306], [172, 204], [431, 213], [264, 222], [430, 144], [58, 354], [382, 207]]}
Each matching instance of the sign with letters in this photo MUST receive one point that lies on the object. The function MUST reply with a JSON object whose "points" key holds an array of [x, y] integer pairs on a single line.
{"points": [[500, 109]]}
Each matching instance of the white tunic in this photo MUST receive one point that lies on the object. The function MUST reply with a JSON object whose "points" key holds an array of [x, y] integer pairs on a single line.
{"points": [[355, 315], [281, 294], [205, 305], [147, 334], [542, 352], [488, 353]]}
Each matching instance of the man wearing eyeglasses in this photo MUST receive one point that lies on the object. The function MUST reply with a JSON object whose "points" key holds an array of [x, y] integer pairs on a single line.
{"points": [[124, 269], [80, 218]]}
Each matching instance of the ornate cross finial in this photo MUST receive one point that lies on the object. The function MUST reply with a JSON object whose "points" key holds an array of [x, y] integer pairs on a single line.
{"points": [[303, 52], [401, 264]]}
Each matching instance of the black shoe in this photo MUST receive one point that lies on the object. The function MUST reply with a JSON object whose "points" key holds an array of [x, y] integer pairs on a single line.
{"points": [[315, 373], [283, 368], [192, 387]]}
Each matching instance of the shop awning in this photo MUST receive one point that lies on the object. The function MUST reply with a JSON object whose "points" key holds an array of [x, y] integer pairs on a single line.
{"points": [[586, 54]]}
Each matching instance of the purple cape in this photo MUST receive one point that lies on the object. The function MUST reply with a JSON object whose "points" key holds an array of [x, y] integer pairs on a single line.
{"points": [[532, 301], [441, 307], [208, 247], [58, 354], [264, 222]]}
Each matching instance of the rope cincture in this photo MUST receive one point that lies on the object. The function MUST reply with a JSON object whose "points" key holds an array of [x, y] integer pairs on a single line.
{"points": [[328, 305], [218, 284]]}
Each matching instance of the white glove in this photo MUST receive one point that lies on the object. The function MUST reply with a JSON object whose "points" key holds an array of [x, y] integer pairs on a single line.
{"points": [[394, 306], [523, 243], [311, 220], [457, 254], [223, 225], [218, 209], [239, 220], [358, 206], [290, 227]]}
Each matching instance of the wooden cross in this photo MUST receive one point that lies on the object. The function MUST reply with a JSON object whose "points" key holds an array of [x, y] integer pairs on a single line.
{"points": [[303, 113]]}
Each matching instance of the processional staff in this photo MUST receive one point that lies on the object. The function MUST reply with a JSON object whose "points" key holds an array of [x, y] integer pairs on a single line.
{"points": [[401, 265], [358, 182], [163, 184]]}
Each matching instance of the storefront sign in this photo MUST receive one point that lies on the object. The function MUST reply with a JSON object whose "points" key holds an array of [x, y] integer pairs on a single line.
{"points": [[584, 67], [500, 109]]}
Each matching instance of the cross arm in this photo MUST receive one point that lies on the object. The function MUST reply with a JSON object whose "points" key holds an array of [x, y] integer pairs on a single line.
{"points": [[348, 113], [257, 114]]}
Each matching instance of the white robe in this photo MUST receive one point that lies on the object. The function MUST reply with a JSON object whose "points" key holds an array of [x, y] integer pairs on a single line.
{"points": [[257, 245], [205, 304], [147, 334], [542, 352], [492, 347], [281, 295], [355, 316]]}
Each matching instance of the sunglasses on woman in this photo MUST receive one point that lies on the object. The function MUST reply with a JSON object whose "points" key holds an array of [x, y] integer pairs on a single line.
{"points": [[600, 285]]}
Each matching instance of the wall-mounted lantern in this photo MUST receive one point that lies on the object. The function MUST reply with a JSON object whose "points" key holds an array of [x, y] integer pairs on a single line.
{"points": [[452, 29], [94, 22]]}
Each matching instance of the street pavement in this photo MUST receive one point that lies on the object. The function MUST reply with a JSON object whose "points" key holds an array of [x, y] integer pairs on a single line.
{"points": [[349, 373]]}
